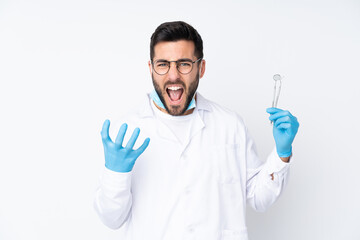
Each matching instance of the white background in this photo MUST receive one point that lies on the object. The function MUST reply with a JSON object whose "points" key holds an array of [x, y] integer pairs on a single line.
{"points": [[66, 66]]}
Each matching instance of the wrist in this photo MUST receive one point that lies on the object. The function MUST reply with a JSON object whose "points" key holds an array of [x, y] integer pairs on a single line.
{"points": [[285, 159], [284, 153], [119, 169]]}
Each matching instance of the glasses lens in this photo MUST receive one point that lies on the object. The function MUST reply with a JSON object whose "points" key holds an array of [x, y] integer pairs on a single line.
{"points": [[184, 66], [161, 67]]}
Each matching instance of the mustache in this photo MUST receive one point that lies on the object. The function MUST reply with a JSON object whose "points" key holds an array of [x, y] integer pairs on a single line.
{"points": [[177, 81], [167, 83]]}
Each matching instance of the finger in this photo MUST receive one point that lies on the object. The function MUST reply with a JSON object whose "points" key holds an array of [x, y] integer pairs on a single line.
{"points": [[105, 131], [273, 110], [285, 119], [284, 126], [120, 136], [142, 148], [133, 138], [279, 115]]}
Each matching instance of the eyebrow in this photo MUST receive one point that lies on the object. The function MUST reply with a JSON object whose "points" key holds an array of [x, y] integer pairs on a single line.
{"points": [[161, 60], [181, 60]]}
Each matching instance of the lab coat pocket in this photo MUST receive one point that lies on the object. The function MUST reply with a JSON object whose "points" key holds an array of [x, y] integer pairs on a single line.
{"points": [[234, 235], [227, 163], [231, 187]]}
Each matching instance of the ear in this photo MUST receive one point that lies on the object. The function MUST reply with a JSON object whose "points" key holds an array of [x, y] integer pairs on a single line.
{"points": [[202, 68], [150, 68]]}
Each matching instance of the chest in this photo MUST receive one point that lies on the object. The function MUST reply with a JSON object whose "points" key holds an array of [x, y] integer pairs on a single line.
{"points": [[211, 155]]}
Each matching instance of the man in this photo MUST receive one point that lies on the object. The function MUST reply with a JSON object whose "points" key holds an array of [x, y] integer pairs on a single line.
{"points": [[201, 167]]}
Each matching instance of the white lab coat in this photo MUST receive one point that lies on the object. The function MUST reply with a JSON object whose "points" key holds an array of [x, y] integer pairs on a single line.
{"points": [[196, 190]]}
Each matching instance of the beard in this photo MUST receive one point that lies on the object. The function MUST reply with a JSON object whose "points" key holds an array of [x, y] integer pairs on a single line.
{"points": [[190, 92]]}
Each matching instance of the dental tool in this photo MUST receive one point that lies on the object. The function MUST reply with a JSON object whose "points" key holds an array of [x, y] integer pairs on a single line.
{"points": [[277, 88]]}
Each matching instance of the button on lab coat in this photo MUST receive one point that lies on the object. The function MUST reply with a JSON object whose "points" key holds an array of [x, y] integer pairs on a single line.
{"points": [[195, 190]]}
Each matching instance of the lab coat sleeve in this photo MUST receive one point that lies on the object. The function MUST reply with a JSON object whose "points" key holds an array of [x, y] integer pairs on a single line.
{"points": [[262, 191], [113, 198]]}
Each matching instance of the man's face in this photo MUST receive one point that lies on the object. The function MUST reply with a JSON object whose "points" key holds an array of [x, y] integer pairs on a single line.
{"points": [[176, 90]]}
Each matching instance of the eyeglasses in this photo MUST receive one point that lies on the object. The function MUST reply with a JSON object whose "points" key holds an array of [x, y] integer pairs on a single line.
{"points": [[184, 66]]}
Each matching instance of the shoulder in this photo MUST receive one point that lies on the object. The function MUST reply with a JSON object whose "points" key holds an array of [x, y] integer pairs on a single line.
{"points": [[221, 113], [224, 123]]}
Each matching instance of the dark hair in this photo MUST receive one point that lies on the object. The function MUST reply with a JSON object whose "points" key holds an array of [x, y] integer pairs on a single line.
{"points": [[175, 31]]}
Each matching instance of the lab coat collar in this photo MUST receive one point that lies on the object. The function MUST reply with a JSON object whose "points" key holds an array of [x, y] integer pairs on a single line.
{"points": [[201, 104]]}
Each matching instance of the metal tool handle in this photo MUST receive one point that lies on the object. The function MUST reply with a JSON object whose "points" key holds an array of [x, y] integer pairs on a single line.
{"points": [[277, 89]]}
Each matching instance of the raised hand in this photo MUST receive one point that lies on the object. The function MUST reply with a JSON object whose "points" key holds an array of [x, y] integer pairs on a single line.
{"points": [[285, 127], [117, 157]]}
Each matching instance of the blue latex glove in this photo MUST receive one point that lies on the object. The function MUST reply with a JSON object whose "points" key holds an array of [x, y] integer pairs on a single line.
{"points": [[285, 127], [117, 157]]}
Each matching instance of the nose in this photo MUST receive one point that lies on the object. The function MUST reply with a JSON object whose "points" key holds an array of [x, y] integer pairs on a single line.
{"points": [[173, 73]]}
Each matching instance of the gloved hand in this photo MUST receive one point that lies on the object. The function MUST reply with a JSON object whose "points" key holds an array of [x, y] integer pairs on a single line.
{"points": [[117, 157], [285, 127]]}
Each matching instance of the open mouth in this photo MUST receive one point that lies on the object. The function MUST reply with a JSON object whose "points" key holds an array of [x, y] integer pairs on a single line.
{"points": [[175, 94]]}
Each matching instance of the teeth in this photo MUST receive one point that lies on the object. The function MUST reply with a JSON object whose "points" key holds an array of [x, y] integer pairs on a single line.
{"points": [[174, 88]]}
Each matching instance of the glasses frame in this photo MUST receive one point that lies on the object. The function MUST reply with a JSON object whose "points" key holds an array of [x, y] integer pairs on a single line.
{"points": [[177, 65]]}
